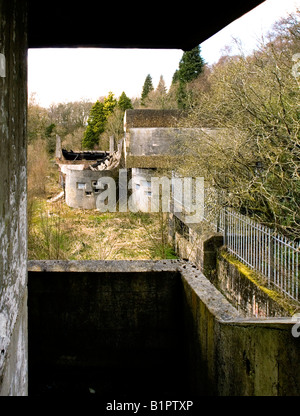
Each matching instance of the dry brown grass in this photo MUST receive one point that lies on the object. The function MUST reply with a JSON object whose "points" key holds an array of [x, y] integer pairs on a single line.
{"points": [[56, 231]]}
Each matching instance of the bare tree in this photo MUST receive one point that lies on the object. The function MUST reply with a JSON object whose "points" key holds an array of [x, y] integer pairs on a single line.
{"points": [[252, 160]]}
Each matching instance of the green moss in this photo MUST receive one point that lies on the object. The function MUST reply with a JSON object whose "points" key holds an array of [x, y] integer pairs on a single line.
{"points": [[289, 305]]}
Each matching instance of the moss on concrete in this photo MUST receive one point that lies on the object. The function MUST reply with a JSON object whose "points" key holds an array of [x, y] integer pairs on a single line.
{"points": [[290, 306]]}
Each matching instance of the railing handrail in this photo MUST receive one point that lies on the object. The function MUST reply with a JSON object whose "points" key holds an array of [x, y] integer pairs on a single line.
{"points": [[262, 249]]}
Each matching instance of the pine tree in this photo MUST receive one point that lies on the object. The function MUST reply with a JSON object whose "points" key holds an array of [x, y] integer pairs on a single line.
{"points": [[190, 67], [124, 102], [147, 87], [109, 104], [95, 126], [97, 119]]}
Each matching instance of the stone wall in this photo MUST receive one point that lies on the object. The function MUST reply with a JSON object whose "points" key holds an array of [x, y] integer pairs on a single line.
{"points": [[13, 228]]}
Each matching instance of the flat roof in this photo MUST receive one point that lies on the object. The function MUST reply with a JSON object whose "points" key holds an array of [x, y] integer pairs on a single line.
{"points": [[156, 25]]}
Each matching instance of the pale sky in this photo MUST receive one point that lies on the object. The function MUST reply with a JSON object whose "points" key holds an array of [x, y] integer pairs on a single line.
{"points": [[62, 75]]}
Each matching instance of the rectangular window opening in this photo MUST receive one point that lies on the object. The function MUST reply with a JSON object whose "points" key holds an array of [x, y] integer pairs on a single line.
{"points": [[80, 185]]}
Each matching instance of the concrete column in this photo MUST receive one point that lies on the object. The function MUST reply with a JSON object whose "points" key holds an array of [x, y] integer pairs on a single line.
{"points": [[13, 198], [111, 144]]}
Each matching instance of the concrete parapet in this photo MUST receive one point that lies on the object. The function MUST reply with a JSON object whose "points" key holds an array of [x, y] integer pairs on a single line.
{"points": [[199, 248], [232, 355], [126, 316]]}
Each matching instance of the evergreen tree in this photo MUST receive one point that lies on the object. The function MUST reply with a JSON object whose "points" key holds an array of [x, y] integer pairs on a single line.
{"points": [[175, 77], [147, 87], [109, 104], [95, 126], [124, 102], [157, 99], [190, 67], [97, 120]]}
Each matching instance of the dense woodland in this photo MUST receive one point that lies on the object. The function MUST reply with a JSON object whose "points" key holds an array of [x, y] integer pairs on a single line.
{"points": [[253, 165]]}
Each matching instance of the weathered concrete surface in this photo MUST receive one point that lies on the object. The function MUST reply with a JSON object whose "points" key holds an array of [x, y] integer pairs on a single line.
{"points": [[231, 355], [116, 325], [204, 248], [242, 289], [152, 137], [197, 244], [84, 198], [13, 228], [102, 266], [153, 118], [128, 317], [151, 147]]}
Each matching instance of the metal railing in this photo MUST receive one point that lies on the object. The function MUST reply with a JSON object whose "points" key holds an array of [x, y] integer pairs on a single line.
{"points": [[262, 249]]}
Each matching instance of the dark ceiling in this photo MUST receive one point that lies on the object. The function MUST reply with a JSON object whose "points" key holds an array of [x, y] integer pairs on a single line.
{"points": [[125, 24]]}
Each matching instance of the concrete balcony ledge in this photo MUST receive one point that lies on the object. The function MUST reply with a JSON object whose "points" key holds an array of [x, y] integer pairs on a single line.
{"points": [[110, 316], [102, 266]]}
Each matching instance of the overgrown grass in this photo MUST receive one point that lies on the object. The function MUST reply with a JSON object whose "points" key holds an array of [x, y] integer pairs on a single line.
{"points": [[57, 231]]}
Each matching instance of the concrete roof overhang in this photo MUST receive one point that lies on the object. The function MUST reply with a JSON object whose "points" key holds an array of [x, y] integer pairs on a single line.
{"points": [[156, 24]]}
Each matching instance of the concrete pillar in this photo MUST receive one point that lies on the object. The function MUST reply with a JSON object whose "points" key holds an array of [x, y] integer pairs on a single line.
{"points": [[111, 144], [13, 199], [58, 151]]}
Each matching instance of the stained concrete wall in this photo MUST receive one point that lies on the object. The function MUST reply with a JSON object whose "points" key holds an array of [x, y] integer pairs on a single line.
{"points": [[232, 355], [153, 136], [249, 294], [84, 198], [242, 289], [129, 318], [13, 229], [116, 325], [197, 244]]}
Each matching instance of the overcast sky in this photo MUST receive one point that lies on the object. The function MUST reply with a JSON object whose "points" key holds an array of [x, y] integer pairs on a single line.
{"points": [[62, 75]]}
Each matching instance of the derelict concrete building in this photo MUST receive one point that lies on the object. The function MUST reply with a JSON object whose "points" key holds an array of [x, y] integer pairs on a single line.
{"points": [[81, 171]]}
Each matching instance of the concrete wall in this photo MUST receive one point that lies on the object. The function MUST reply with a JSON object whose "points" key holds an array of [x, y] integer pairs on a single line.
{"points": [[154, 138], [141, 188], [116, 325], [84, 198], [146, 327], [244, 288], [151, 137], [232, 355], [246, 292], [13, 229], [198, 244]]}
